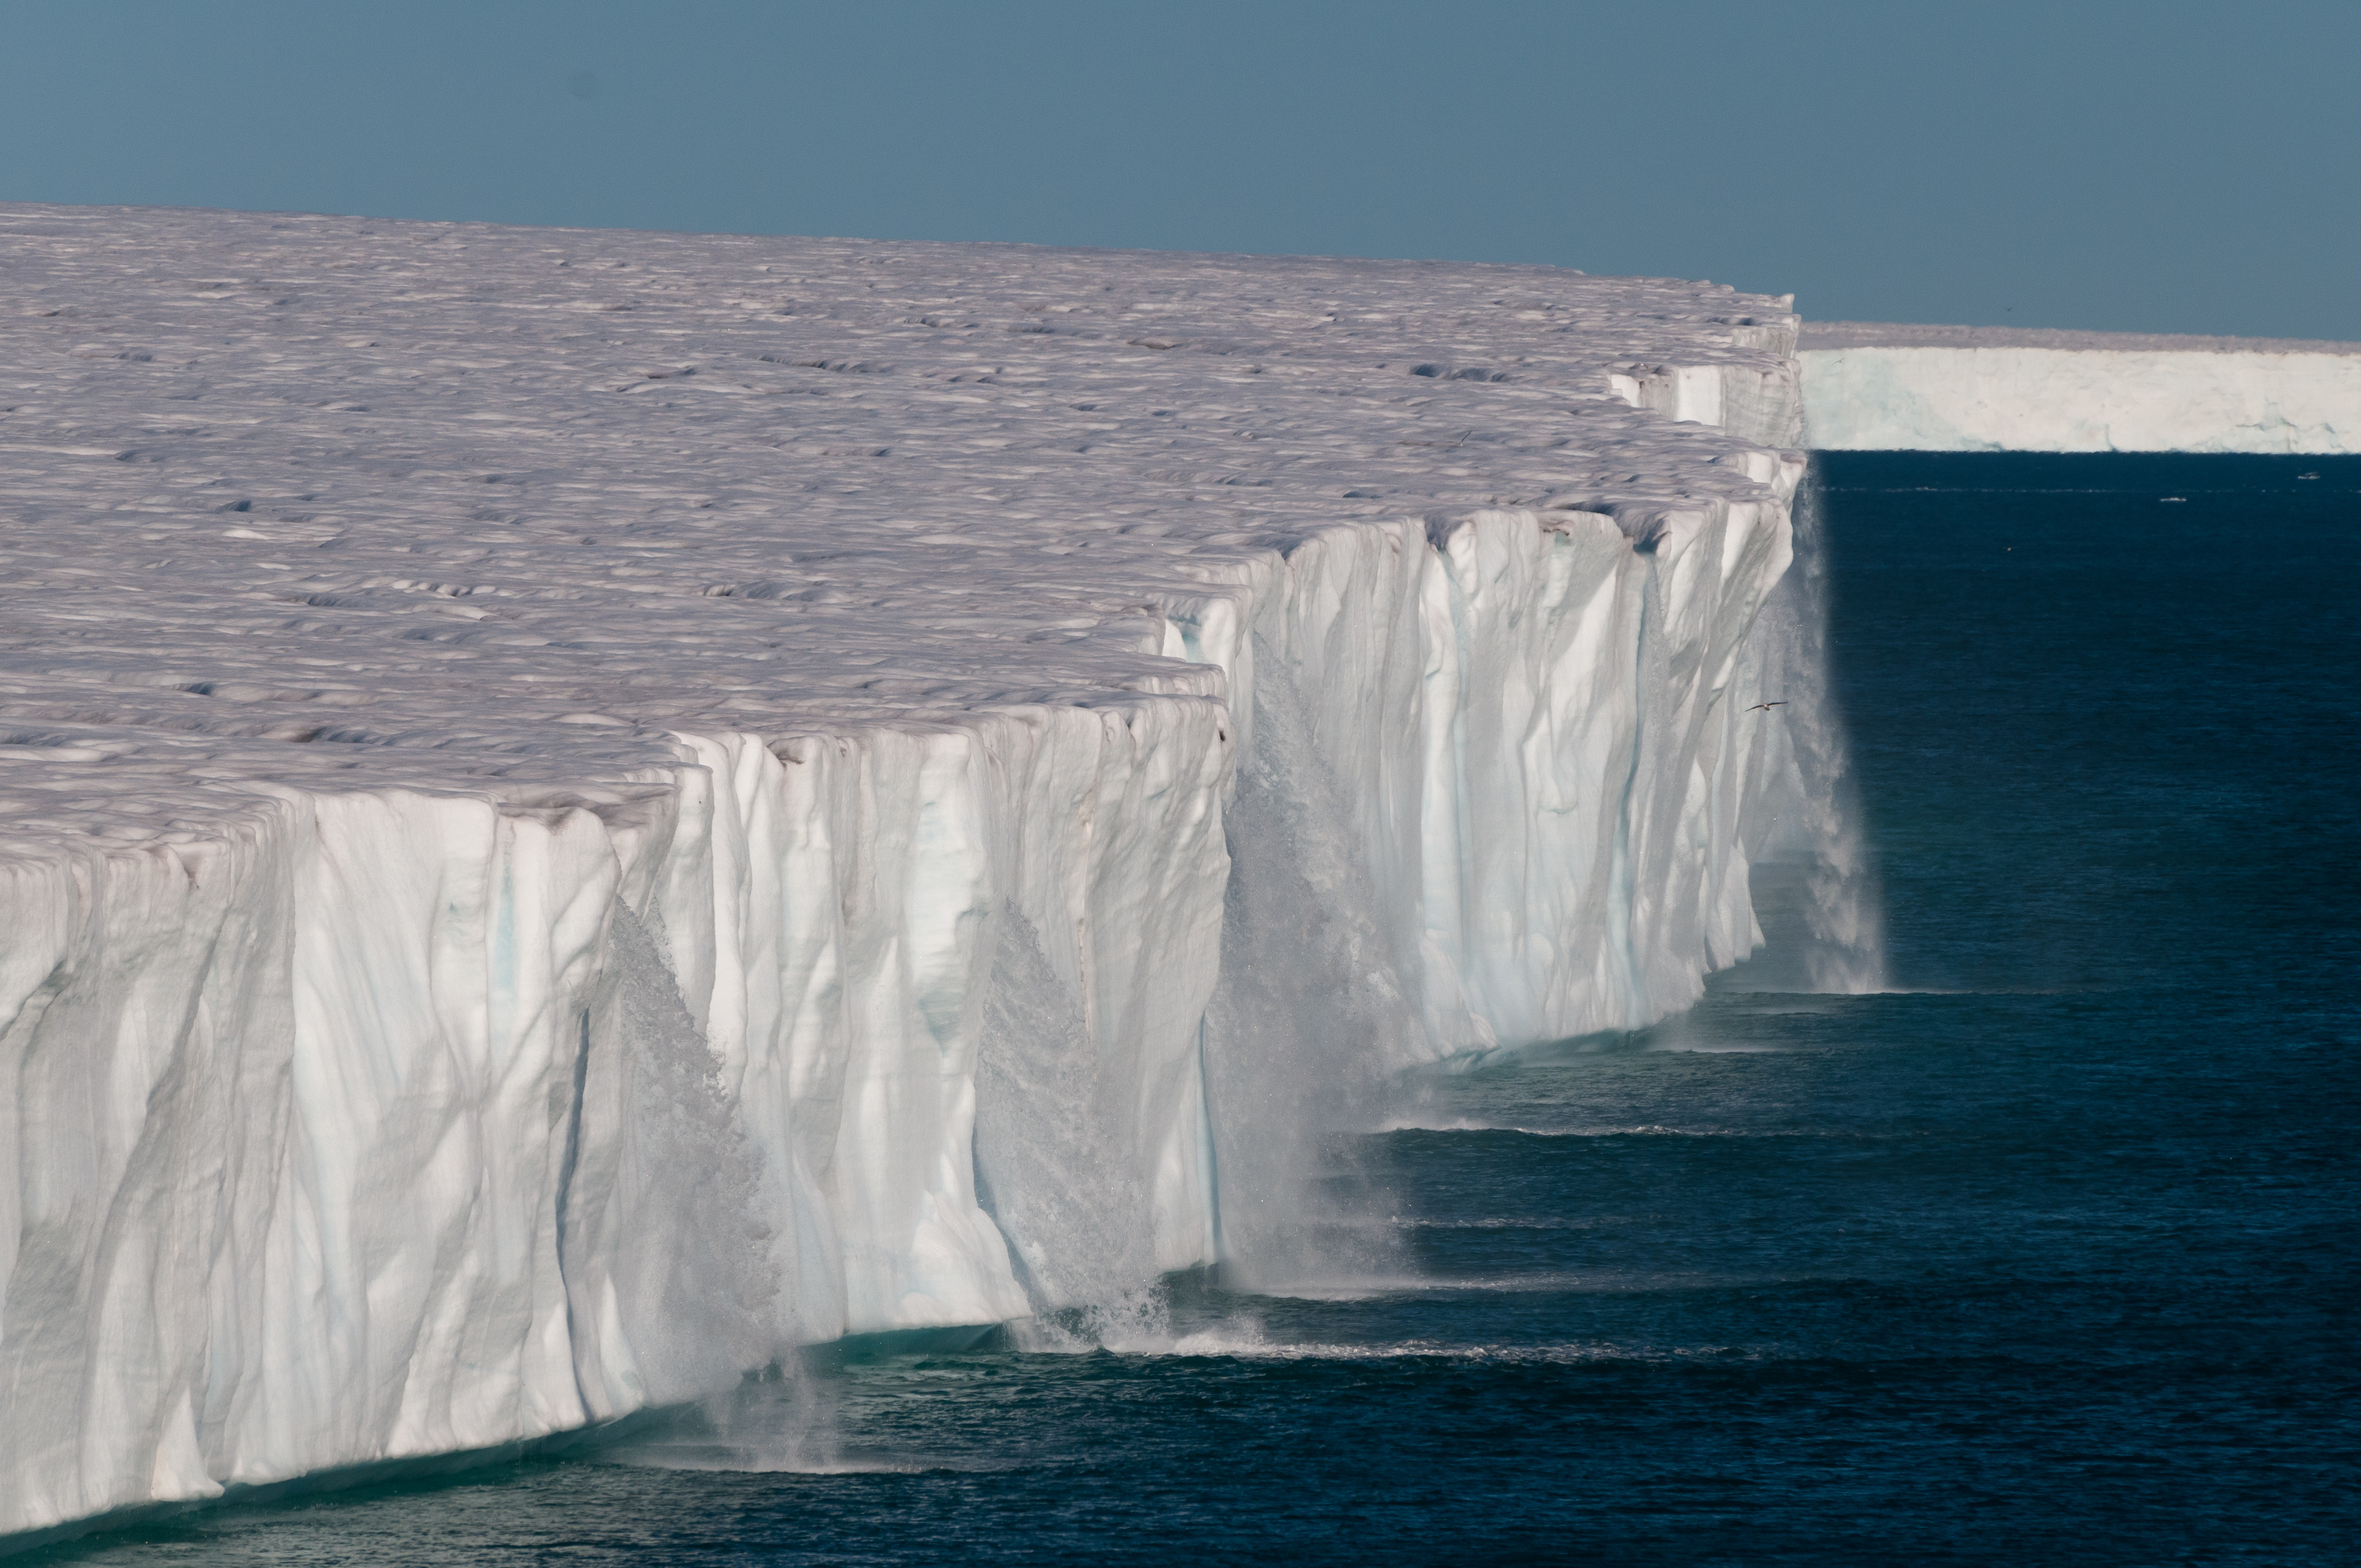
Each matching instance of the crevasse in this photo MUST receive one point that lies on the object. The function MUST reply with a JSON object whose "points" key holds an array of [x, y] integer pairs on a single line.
{"points": [[519, 1084]]}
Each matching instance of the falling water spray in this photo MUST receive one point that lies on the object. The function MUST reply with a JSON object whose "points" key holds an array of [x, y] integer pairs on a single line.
{"points": [[1814, 878]]}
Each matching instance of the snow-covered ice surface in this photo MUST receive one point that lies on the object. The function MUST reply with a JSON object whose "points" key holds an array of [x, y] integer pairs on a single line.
{"points": [[1875, 386], [578, 807]]}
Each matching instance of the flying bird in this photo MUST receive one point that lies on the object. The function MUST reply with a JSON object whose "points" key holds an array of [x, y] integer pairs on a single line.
{"points": [[1761, 705]]}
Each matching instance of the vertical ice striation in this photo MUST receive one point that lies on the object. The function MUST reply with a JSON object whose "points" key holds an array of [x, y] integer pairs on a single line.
{"points": [[582, 808]]}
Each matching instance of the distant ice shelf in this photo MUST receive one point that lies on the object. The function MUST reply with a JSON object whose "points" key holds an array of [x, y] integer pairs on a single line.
{"points": [[1874, 386], [578, 808]]}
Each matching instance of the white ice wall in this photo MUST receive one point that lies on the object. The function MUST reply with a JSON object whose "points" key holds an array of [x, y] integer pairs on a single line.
{"points": [[1523, 716], [362, 1134], [2085, 395], [549, 848]]}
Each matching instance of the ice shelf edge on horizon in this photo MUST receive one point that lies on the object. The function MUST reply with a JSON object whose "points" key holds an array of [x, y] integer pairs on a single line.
{"points": [[1880, 387], [579, 807]]}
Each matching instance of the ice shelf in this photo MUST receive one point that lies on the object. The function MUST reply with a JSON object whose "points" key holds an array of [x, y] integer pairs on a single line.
{"points": [[579, 807], [1872, 386]]}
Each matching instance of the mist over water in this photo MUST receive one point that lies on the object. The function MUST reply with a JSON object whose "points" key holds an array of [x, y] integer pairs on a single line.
{"points": [[2034, 1247], [1815, 884]]}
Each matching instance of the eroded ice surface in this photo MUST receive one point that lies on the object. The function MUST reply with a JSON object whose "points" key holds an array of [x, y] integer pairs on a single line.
{"points": [[1874, 386], [565, 795]]}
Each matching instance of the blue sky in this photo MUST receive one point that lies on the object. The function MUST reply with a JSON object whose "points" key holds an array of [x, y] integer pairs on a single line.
{"points": [[2158, 168]]}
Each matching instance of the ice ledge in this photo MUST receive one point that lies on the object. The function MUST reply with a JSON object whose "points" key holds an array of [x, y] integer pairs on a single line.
{"points": [[1875, 386], [567, 794]]}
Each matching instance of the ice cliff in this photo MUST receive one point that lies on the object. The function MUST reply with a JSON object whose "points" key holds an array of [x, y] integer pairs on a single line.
{"points": [[1878, 387], [579, 807]]}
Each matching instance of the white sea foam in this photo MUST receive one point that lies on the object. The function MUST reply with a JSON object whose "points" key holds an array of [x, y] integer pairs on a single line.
{"points": [[1250, 1342]]}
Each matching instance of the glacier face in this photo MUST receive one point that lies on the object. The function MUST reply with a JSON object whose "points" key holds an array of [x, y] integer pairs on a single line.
{"points": [[582, 807], [1869, 386]]}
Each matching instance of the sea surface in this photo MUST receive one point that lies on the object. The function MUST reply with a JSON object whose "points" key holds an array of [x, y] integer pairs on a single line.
{"points": [[2049, 1254]]}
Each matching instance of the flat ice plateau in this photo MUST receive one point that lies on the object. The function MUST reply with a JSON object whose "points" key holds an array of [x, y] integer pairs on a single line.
{"points": [[1872, 386], [580, 807]]}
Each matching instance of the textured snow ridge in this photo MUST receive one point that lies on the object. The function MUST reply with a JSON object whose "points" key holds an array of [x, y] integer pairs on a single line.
{"points": [[579, 807], [1875, 387]]}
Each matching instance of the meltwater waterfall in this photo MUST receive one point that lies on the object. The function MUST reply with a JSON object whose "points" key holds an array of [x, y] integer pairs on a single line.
{"points": [[1805, 835], [584, 809]]}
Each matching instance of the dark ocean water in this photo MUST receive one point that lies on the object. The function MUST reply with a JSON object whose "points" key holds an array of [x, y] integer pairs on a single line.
{"points": [[2051, 1258]]}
